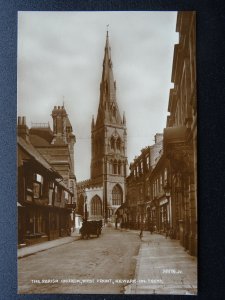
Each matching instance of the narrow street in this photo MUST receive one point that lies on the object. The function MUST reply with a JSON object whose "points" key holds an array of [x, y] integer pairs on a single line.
{"points": [[94, 266]]}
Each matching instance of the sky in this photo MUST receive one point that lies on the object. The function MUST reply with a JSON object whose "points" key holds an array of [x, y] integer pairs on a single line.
{"points": [[60, 57]]}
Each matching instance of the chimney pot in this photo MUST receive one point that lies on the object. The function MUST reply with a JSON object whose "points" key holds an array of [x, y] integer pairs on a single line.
{"points": [[19, 120], [23, 120]]}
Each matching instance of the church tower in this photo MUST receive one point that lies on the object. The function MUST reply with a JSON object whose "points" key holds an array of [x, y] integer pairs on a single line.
{"points": [[64, 140], [109, 141]]}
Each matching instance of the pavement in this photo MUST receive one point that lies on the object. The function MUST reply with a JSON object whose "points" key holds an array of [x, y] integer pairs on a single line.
{"points": [[29, 250], [163, 267]]}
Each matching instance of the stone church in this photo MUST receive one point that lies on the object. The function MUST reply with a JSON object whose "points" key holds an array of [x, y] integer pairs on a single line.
{"points": [[101, 195]]}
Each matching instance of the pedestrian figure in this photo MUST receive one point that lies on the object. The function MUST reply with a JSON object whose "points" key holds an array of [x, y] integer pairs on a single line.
{"points": [[141, 234]]}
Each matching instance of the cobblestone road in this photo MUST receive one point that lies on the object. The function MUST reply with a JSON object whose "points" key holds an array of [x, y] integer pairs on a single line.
{"points": [[95, 266]]}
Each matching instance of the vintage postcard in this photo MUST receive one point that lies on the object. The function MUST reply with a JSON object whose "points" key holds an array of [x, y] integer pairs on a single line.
{"points": [[107, 152]]}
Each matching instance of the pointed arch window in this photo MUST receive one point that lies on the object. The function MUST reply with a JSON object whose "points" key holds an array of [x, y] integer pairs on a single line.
{"points": [[115, 167], [96, 206], [119, 167], [112, 143], [111, 166], [117, 195], [114, 111], [118, 144]]}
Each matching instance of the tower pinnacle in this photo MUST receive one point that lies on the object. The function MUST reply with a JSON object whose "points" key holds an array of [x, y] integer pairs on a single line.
{"points": [[108, 111]]}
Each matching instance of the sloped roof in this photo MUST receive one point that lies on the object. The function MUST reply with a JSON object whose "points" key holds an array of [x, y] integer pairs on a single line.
{"points": [[38, 141], [29, 148], [43, 132]]}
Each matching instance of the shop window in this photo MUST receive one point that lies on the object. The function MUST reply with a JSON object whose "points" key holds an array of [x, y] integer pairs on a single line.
{"points": [[37, 186], [36, 190], [58, 193], [66, 196]]}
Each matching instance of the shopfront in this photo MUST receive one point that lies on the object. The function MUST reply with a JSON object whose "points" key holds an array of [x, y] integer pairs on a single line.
{"points": [[164, 219]]}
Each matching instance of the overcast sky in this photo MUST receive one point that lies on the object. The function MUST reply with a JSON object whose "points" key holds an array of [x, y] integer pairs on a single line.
{"points": [[60, 54]]}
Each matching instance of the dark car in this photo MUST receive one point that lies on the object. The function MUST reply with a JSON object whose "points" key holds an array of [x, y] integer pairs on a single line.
{"points": [[91, 228]]}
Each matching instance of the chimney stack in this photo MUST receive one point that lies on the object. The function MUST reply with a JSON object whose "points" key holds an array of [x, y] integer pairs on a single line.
{"points": [[22, 129]]}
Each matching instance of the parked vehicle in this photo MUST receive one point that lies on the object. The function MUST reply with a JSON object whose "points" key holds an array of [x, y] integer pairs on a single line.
{"points": [[91, 228]]}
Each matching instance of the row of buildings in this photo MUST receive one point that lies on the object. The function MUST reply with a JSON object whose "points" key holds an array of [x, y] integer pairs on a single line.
{"points": [[159, 193], [46, 180], [162, 184]]}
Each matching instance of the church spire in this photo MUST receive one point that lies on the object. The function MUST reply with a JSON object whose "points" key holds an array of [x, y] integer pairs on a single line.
{"points": [[107, 46], [108, 133], [108, 111]]}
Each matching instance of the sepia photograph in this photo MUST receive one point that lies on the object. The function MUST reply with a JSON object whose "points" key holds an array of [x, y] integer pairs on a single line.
{"points": [[107, 152]]}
